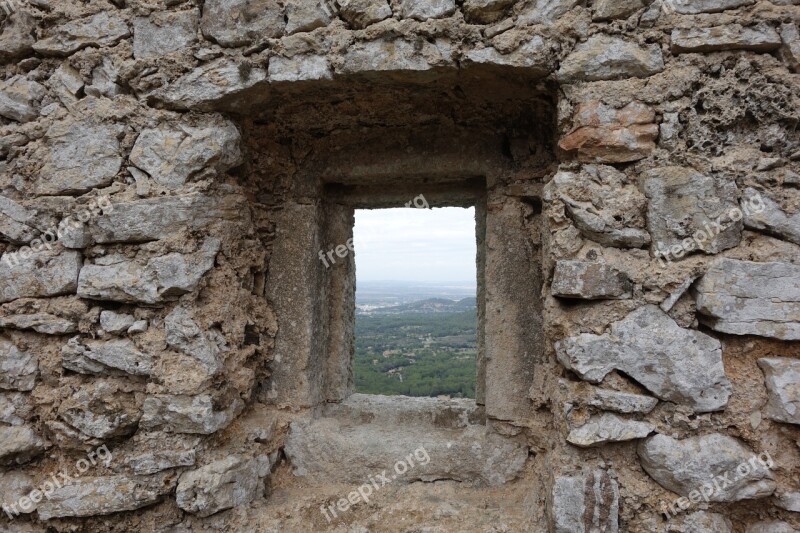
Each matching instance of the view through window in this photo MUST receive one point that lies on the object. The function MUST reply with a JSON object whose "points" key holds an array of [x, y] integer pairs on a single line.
{"points": [[416, 309]]}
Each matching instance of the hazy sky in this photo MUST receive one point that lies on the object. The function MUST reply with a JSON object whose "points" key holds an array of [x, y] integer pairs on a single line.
{"points": [[409, 244]]}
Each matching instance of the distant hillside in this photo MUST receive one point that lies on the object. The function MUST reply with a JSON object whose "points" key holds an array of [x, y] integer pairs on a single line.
{"points": [[430, 305]]}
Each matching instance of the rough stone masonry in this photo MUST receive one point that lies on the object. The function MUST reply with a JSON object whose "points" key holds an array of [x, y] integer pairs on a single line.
{"points": [[183, 329]]}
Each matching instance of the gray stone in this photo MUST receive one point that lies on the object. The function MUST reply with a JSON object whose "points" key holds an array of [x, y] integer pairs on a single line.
{"points": [[621, 402], [534, 55], [747, 298], [486, 11], [157, 461], [226, 483], [395, 55], [692, 7], [17, 35], [299, 68], [685, 208], [16, 485], [18, 224], [670, 301], [603, 57], [11, 406], [102, 29], [160, 279], [362, 13], [174, 153], [789, 500], [761, 38], [112, 322], [615, 9], [586, 503], [211, 84], [19, 444], [365, 434], [140, 326], [18, 369], [790, 51], [545, 11], [101, 410], [763, 214], [608, 428], [79, 156], [38, 274], [241, 22], [589, 281], [41, 323], [106, 357], [183, 334], [103, 495], [188, 414], [104, 80], [307, 15], [66, 82], [783, 388], [705, 522], [19, 99], [164, 32], [688, 465], [770, 526], [675, 364], [426, 9]]}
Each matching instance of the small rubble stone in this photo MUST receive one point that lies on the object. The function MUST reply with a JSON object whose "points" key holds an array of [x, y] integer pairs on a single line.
{"points": [[17, 35], [185, 335], [770, 526], [19, 99], [223, 484], [362, 13], [427, 9], [608, 428], [307, 15], [790, 51], [545, 11], [157, 461], [763, 214], [394, 55], [688, 465], [101, 410], [705, 522], [140, 326], [615, 9], [187, 414], [18, 224], [693, 7], [586, 503], [241, 22], [675, 364], [18, 369], [486, 11], [299, 68], [789, 500], [729, 37], [39, 274], [19, 444], [621, 402], [589, 281], [604, 57], [748, 298], [165, 32], [106, 357], [102, 29], [210, 84], [112, 322], [41, 323], [534, 55], [783, 388]]}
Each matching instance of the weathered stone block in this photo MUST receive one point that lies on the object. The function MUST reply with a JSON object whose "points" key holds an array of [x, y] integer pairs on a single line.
{"points": [[241, 22], [299, 68], [763, 214], [165, 32], [486, 11], [790, 51], [112, 322], [615, 9], [534, 55], [783, 388], [761, 38], [223, 484], [545, 11], [183, 334], [603, 57], [395, 54], [747, 298], [692, 7], [18, 224], [362, 13], [621, 402], [19, 99], [307, 15], [102, 29], [18, 369], [608, 428], [589, 281], [675, 364], [770, 526], [102, 410], [211, 84], [188, 414], [40, 274], [427, 9], [19, 444], [17, 35], [586, 503], [111, 357], [692, 464]]}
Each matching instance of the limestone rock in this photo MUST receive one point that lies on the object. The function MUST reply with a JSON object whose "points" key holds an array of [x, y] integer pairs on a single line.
{"points": [[534, 55], [789, 500], [688, 465], [211, 84], [691, 211], [183, 334], [112, 322], [16, 485], [51, 316], [102, 29], [241, 22], [692, 7], [38, 274], [620, 402], [615, 9], [675, 364], [162, 278], [783, 388], [174, 153], [790, 51], [395, 55], [747, 298], [608, 428], [46, 323], [103, 495], [140, 326], [544, 11], [362, 13], [105, 357], [19, 99], [101, 410], [187, 414], [18, 369], [18, 445], [763, 214], [164, 32], [589, 281], [770, 526], [159, 460], [602, 134], [603, 57], [223, 484], [427, 9], [760, 38], [18, 224], [705, 522], [16, 35], [307, 15], [79, 156], [299, 68], [586, 503], [485, 11]]}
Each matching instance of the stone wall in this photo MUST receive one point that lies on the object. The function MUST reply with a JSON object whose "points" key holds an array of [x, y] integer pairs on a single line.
{"points": [[644, 154]]}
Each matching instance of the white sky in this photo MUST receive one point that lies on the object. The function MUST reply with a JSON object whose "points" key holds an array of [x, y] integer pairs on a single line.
{"points": [[409, 244]]}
